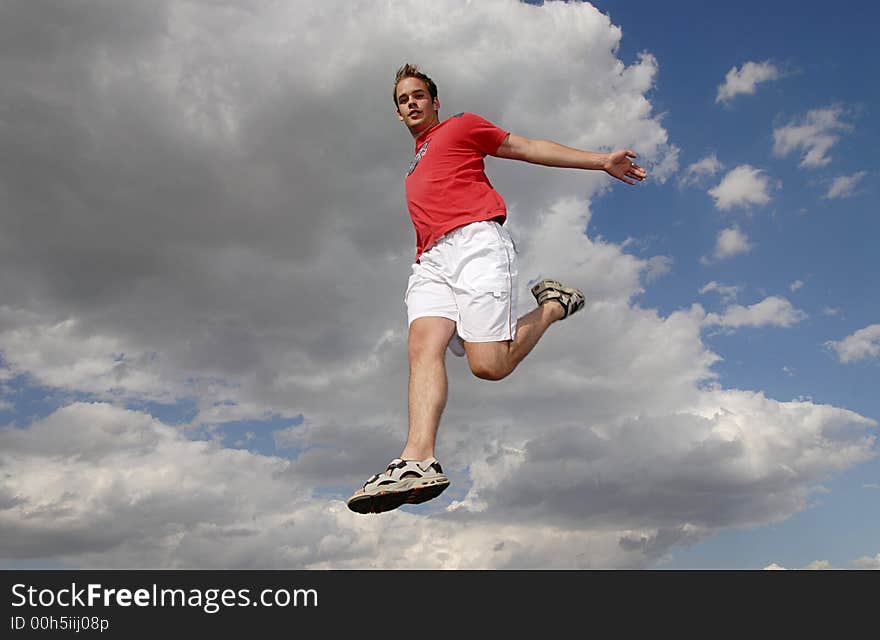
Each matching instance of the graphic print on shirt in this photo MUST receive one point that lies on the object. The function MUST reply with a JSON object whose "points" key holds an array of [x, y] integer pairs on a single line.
{"points": [[419, 156]]}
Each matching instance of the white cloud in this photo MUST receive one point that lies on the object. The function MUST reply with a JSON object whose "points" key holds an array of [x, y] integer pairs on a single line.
{"points": [[796, 285], [252, 256], [120, 489], [65, 354], [815, 565], [845, 186], [773, 311], [113, 487], [700, 170], [814, 135], [729, 242], [667, 166], [657, 267], [861, 345], [728, 293], [830, 311], [745, 79], [867, 562], [741, 187]]}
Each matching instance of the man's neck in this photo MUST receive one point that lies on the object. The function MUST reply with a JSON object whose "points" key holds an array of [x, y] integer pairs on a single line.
{"points": [[416, 133]]}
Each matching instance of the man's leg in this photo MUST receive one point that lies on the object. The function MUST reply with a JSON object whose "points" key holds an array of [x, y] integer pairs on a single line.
{"points": [[428, 338], [496, 360], [428, 385]]}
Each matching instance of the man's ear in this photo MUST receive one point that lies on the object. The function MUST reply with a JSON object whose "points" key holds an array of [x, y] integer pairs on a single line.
{"points": [[399, 117], [437, 104]]}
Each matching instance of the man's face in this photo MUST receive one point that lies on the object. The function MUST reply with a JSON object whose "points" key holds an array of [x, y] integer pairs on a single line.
{"points": [[415, 107]]}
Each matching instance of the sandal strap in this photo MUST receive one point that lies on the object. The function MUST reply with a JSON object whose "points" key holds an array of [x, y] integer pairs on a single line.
{"points": [[397, 462], [418, 467], [398, 468], [572, 300], [572, 303], [378, 479]]}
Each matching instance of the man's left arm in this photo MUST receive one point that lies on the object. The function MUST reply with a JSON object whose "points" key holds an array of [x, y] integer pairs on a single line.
{"points": [[618, 163]]}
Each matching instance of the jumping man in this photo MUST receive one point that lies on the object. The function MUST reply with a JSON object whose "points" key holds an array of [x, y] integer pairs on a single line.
{"points": [[463, 289]]}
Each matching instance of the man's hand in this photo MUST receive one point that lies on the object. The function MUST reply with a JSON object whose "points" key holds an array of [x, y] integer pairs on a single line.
{"points": [[621, 167]]}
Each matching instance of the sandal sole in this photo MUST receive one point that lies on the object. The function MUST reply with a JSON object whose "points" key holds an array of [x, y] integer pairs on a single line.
{"points": [[383, 501]]}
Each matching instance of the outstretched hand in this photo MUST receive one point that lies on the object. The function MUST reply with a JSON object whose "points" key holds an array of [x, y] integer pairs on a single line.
{"points": [[621, 167]]}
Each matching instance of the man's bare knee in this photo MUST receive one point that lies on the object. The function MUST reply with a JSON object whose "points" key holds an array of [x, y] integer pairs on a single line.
{"points": [[486, 371], [428, 337], [489, 360], [421, 351]]}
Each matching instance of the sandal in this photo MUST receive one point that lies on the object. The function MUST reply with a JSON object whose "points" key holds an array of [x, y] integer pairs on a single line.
{"points": [[403, 482], [572, 300]]}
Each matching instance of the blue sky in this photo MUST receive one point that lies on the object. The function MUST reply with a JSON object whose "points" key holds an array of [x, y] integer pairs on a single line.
{"points": [[827, 244], [204, 245]]}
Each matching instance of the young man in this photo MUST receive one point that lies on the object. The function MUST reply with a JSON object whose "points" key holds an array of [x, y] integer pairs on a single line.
{"points": [[463, 289]]}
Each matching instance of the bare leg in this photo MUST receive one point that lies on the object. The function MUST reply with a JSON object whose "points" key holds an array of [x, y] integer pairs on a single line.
{"points": [[496, 360], [428, 385]]}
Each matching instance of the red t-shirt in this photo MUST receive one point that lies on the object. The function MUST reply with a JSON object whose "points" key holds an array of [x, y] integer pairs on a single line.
{"points": [[446, 185]]}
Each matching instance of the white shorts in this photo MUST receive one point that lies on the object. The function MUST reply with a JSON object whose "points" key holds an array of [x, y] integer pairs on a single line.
{"points": [[469, 276]]}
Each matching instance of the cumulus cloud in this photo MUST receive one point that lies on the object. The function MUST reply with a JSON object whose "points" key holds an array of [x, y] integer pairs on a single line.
{"points": [[119, 489], [845, 186], [861, 345], [729, 242], [813, 135], [196, 209], [865, 562], [728, 293], [745, 79], [772, 311], [657, 267], [113, 487], [65, 354], [815, 565], [725, 435], [699, 171], [743, 186], [868, 562]]}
